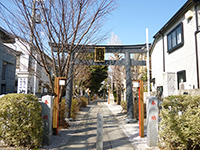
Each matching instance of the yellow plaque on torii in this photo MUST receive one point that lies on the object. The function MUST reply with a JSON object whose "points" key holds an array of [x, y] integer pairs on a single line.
{"points": [[99, 54]]}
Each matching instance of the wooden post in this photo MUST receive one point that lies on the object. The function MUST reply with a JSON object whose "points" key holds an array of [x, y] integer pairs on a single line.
{"points": [[56, 105], [141, 110]]}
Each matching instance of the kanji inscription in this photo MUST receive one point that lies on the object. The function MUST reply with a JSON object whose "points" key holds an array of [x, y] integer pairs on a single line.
{"points": [[153, 103], [153, 117], [99, 54]]}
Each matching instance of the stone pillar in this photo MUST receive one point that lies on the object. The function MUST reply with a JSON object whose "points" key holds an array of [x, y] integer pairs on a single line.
{"points": [[129, 93], [47, 108], [99, 132], [152, 121], [69, 88]]}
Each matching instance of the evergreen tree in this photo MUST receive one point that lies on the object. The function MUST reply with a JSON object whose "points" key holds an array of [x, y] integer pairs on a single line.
{"points": [[97, 74]]}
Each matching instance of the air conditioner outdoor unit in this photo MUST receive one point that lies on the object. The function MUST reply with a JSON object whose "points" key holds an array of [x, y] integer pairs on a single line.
{"points": [[189, 14], [184, 86], [181, 86]]}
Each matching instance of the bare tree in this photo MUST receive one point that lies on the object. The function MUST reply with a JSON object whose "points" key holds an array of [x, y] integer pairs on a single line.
{"points": [[117, 72], [140, 72], [63, 26]]}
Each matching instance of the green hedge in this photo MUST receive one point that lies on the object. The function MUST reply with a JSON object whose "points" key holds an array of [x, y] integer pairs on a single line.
{"points": [[20, 120], [180, 125]]}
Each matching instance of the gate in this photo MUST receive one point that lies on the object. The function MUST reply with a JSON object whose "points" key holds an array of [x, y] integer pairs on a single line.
{"points": [[99, 60]]}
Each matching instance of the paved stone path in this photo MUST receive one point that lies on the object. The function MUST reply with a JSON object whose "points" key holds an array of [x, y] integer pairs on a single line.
{"points": [[84, 137]]}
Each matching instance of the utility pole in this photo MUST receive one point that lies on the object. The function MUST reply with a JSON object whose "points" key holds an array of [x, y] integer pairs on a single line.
{"points": [[147, 45], [33, 22]]}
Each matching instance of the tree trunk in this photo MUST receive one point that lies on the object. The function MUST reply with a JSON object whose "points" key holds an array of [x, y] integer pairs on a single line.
{"points": [[118, 97]]}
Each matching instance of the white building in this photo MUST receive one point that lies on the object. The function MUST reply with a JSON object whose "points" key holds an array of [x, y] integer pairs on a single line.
{"points": [[30, 77], [175, 53]]}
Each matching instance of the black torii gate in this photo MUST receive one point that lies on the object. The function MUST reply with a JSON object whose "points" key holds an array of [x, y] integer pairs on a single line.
{"points": [[127, 62]]}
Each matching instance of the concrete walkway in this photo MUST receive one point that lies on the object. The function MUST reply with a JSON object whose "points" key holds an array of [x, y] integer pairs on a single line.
{"points": [[83, 131], [84, 137], [131, 130]]}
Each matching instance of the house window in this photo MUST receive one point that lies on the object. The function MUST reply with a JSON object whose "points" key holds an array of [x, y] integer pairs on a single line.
{"points": [[18, 62], [4, 70], [3, 89], [40, 87], [175, 38], [181, 75]]}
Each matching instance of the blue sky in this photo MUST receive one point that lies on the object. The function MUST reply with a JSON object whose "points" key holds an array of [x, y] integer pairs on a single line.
{"points": [[130, 20]]}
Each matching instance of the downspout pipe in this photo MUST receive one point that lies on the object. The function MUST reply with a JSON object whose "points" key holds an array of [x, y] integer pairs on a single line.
{"points": [[196, 44], [163, 50]]}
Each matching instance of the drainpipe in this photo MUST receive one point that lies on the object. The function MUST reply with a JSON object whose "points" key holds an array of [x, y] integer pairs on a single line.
{"points": [[196, 44], [163, 51]]}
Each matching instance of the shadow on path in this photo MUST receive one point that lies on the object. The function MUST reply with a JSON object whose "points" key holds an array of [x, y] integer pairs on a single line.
{"points": [[84, 137]]}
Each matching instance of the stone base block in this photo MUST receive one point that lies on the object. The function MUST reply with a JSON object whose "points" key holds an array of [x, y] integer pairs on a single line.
{"points": [[131, 121]]}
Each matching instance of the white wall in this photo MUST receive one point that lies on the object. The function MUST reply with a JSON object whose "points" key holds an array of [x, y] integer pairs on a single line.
{"points": [[24, 58], [157, 63], [23, 71], [183, 58]]}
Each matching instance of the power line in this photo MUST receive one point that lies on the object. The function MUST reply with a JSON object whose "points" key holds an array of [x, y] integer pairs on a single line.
{"points": [[7, 9]]}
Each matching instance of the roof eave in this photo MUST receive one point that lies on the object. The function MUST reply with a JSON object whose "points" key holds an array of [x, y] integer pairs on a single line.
{"points": [[174, 18], [7, 37]]}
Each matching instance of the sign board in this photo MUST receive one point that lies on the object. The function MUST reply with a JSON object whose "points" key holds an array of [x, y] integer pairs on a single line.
{"points": [[136, 84], [61, 82], [22, 85], [99, 54]]}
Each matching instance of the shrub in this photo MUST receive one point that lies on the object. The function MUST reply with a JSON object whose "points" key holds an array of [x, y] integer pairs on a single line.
{"points": [[20, 120], [180, 125], [92, 98], [124, 106], [62, 114], [135, 107], [74, 108], [84, 101]]}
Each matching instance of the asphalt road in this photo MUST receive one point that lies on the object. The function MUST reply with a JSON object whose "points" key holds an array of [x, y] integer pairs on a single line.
{"points": [[85, 136]]}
